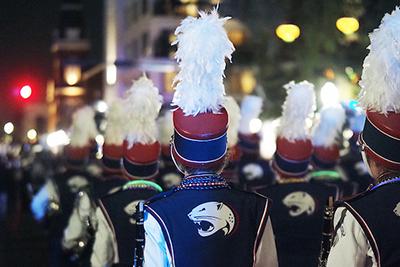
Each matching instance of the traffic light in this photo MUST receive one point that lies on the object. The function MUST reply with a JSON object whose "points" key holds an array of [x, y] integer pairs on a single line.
{"points": [[25, 92]]}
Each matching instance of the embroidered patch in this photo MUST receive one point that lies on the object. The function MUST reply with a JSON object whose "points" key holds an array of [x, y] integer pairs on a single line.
{"points": [[299, 203], [130, 210], [253, 171], [76, 183], [211, 217], [397, 209]]}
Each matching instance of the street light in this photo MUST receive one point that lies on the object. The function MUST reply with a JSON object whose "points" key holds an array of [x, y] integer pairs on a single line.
{"points": [[58, 138], [111, 74], [288, 32], [347, 25], [31, 134], [247, 81], [72, 74], [9, 128], [25, 92], [101, 106]]}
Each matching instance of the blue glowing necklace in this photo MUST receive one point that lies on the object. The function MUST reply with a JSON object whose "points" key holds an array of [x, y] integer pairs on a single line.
{"points": [[388, 181]]}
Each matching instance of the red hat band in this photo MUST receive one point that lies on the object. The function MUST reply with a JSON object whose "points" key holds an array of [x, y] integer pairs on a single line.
{"points": [[292, 159], [380, 138], [200, 141], [112, 156], [141, 160], [250, 143], [325, 157]]}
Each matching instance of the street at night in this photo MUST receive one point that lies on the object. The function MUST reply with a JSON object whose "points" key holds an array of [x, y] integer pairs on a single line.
{"points": [[194, 133]]}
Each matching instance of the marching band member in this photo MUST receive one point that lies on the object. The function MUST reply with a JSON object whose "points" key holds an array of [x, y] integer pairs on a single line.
{"points": [[56, 198], [298, 204], [367, 227], [115, 237], [203, 221]]}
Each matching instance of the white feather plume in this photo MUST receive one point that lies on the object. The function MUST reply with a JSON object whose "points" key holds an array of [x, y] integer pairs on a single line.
{"points": [[203, 45], [142, 105], [83, 128], [298, 107], [330, 126], [166, 127], [116, 121], [233, 110], [250, 108], [380, 80]]}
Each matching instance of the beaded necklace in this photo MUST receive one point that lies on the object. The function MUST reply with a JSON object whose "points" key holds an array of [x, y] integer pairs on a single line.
{"points": [[202, 182], [386, 181]]}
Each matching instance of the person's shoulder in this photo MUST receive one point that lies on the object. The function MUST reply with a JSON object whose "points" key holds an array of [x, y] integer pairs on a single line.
{"points": [[247, 194], [354, 199], [160, 197]]}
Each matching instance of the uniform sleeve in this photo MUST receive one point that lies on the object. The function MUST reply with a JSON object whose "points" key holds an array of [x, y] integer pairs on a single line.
{"points": [[266, 253], [76, 225], [156, 253], [41, 200], [350, 245], [103, 247]]}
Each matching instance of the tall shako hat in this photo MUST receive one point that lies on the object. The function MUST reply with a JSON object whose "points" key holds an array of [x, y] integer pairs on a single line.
{"points": [[233, 110], [141, 148], [114, 138], [326, 136], [251, 107], [293, 144], [166, 129], [200, 121], [380, 93], [83, 132]]}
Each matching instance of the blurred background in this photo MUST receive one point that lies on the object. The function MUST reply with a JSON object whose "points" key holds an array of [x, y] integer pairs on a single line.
{"points": [[56, 55]]}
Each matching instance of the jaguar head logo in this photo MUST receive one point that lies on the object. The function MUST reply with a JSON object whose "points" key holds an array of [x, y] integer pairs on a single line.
{"points": [[397, 209], [76, 183], [299, 203], [253, 171], [211, 217]]}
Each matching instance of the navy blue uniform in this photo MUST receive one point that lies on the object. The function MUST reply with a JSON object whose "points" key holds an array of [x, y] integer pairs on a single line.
{"points": [[332, 177], [254, 173], [210, 225], [68, 184], [378, 213], [297, 220], [119, 209]]}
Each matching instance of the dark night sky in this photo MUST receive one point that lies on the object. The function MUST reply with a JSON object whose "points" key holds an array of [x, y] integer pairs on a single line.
{"points": [[26, 28]]}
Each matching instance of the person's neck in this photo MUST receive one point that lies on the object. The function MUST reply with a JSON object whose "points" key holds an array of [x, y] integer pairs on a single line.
{"points": [[387, 175], [200, 173]]}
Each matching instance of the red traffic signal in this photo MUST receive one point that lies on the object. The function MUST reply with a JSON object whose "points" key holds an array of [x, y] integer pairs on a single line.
{"points": [[25, 92]]}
